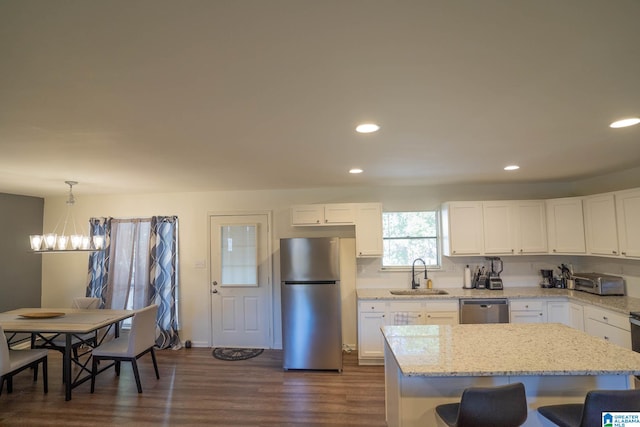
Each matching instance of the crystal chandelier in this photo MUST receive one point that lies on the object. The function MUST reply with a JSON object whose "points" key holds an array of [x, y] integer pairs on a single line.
{"points": [[77, 241]]}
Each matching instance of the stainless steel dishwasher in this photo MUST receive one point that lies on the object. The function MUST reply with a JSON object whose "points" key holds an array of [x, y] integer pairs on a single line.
{"points": [[493, 310]]}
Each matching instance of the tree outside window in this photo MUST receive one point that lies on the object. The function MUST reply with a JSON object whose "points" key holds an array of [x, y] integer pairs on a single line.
{"points": [[410, 235]]}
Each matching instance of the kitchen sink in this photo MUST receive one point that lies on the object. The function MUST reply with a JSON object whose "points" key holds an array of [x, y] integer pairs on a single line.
{"points": [[419, 292]]}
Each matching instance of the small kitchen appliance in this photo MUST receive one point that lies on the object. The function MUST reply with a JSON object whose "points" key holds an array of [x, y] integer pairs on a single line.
{"points": [[547, 279], [495, 282], [599, 284]]}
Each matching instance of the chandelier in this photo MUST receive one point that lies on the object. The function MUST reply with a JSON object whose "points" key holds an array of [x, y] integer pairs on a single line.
{"points": [[71, 238]]}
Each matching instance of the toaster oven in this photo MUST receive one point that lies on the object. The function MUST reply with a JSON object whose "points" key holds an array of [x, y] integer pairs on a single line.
{"points": [[599, 284]]}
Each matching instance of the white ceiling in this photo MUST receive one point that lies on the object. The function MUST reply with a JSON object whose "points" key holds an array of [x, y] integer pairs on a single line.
{"points": [[156, 95]]}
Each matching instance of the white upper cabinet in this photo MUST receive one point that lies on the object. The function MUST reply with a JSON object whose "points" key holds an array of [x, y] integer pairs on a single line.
{"points": [[462, 228], [628, 213], [307, 215], [367, 217], [600, 224], [531, 227], [339, 213], [369, 230], [499, 228], [514, 227], [565, 226], [332, 214]]}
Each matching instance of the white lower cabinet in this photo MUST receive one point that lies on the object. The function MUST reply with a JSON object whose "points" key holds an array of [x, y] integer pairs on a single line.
{"points": [[576, 316], [374, 314], [371, 318], [558, 312], [528, 311], [608, 325]]}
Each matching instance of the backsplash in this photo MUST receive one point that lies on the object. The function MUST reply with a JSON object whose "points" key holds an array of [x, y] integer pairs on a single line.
{"points": [[519, 271]]}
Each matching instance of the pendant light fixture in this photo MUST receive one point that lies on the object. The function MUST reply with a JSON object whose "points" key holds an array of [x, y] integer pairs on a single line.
{"points": [[71, 237]]}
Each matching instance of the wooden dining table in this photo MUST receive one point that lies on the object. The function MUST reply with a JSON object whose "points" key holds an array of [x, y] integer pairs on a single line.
{"points": [[45, 323]]}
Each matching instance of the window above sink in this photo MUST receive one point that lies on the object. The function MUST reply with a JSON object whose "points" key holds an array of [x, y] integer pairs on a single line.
{"points": [[410, 235]]}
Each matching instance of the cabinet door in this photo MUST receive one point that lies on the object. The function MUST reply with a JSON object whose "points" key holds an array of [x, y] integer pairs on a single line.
{"points": [[565, 226], [558, 312], [600, 225], [498, 227], [576, 316], [369, 230], [307, 215], [370, 339], [530, 227], [339, 213], [628, 213], [462, 228]]}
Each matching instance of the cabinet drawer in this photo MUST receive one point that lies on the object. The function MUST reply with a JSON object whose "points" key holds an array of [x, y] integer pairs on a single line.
{"points": [[524, 305], [608, 317], [368, 306], [405, 306], [609, 333], [442, 306]]}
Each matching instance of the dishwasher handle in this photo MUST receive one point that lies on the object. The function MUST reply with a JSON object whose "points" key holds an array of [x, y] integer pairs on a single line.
{"points": [[484, 302]]}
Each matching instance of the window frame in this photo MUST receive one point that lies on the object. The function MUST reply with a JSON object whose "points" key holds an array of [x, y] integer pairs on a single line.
{"points": [[437, 237]]}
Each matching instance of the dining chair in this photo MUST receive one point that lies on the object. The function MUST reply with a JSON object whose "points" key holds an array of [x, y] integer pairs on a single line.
{"points": [[590, 412], [499, 406], [15, 361], [130, 346], [85, 302]]}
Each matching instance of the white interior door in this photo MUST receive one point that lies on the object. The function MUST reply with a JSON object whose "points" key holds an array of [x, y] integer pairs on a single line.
{"points": [[240, 281]]}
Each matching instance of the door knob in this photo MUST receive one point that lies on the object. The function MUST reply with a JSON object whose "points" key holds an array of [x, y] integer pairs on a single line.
{"points": [[215, 291]]}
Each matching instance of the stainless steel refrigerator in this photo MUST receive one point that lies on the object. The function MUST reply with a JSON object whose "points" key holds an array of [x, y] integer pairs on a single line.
{"points": [[311, 313]]}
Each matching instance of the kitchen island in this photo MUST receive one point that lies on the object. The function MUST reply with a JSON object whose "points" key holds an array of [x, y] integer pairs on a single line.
{"points": [[426, 365]]}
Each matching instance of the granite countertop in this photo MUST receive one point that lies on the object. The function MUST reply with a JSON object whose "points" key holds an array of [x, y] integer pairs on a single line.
{"points": [[505, 349], [624, 305]]}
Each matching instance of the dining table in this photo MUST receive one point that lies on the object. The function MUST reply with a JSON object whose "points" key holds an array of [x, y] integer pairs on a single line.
{"points": [[44, 324]]}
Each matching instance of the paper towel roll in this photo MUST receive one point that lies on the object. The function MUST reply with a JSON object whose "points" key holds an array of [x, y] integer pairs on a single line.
{"points": [[467, 277]]}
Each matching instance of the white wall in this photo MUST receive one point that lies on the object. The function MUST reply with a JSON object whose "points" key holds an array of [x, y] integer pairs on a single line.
{"points": [[64, 275]]}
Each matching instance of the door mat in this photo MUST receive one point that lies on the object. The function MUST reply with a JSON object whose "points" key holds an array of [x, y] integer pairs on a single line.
{"points": [[224, 353]]}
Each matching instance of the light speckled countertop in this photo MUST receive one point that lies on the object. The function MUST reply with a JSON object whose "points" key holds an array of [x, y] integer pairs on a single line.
{"points": [[505, 349], [623, 305]]}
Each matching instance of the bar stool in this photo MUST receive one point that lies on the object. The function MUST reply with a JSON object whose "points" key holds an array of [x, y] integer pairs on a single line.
{"points": [[595, 403], [501, 406]]}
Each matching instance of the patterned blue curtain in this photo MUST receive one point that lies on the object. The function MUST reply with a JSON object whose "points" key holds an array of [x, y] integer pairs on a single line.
{"points": [[99, 261], [163, 278]]}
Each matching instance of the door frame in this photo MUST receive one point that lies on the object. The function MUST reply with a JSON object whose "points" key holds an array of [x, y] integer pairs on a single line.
{"points": [[269, 249]]}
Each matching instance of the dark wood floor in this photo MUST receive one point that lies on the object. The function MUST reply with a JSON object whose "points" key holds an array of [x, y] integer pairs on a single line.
{"points": [[197, 389]]}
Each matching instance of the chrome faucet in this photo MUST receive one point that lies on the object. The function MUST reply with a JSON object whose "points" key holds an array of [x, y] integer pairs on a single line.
{"points": [[415, 285]]}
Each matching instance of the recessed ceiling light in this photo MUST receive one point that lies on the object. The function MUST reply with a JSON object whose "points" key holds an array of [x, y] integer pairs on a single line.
{"points": [[367, 128], [355, 170], [511, 167], [625, 122]]}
